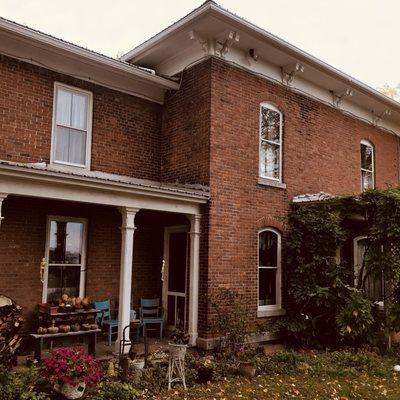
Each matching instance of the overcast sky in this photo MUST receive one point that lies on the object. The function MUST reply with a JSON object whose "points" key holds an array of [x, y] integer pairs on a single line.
{"points": [[360, 37]]}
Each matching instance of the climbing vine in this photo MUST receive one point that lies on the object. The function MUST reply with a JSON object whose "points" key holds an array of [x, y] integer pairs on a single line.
{"points": [[328, 303]]}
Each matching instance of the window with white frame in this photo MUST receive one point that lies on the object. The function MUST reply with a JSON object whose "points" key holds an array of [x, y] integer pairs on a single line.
{"points": [[66, 258], [71, 126], [372, 285], [269, 269], [367, 165], [270, 142]]}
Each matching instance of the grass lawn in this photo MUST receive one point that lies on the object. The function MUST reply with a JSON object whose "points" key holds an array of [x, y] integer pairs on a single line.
{"points": [[310, 377], [363, 386]]}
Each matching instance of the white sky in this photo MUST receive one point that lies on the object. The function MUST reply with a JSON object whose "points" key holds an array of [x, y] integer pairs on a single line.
{"points": [[360, 37]]}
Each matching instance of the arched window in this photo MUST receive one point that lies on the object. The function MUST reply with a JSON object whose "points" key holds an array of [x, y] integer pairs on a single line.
{"points": [[367, 165], [373, 286], [271, 120], [269, 270]]}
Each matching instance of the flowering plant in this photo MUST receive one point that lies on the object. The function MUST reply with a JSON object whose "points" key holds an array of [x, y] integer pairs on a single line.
{"points": [[70, 365]]}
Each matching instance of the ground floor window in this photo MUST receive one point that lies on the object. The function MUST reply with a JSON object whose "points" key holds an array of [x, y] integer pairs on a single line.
{"points": [[269, 269], [66, 257], [372, 285]]}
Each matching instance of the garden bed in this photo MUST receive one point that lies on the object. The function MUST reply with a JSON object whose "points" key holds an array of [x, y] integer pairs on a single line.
{"points": [[337, 375]]}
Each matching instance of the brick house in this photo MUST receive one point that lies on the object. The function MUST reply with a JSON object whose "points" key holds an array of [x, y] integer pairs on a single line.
{"points": [[164, 174]]}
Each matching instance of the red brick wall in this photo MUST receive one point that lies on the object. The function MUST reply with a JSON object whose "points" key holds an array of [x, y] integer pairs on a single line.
{"points": [[186, 127], [126, 129], [320, 153]]}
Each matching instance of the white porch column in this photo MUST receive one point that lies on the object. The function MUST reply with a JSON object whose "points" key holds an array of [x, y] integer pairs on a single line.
{"points": [[194, 276], [125, 280], [2, 197]]}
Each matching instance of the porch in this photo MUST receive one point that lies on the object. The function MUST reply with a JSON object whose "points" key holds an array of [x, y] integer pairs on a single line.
{"points": [[113, 239]]}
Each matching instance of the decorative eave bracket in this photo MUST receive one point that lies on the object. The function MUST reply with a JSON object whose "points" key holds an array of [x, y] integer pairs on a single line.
{"points": [[337, 98], [376, 118], [289, 71], [222, 48], [2, 197], [193, 35]]}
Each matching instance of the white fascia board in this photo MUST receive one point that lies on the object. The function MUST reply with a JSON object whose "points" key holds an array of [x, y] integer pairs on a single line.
{"points": [[24, 38], [53, 185], [212, 9]]}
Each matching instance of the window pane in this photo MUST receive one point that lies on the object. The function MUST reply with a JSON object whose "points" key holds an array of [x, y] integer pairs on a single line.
{"points": [[270, 160], [63, 279], [65, 242], [62, 144], [267, 286], [63, 109], [57, 242], [268, 249], [270, 125], [366, 157], [79, 111], [77, 147], [73, 245], [367, 180]]}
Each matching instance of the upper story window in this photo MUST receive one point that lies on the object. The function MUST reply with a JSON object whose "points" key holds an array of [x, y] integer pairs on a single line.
{"points": [[72, 120], [271, 120], [367, 165], [269, 270]]}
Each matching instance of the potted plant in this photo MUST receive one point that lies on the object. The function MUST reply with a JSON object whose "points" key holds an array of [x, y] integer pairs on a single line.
{"points": [[69, 370], [178, 343]]}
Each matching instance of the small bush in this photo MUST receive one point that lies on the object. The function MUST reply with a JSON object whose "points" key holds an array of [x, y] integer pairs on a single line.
{"points": [[20, 385], [114, 390]]}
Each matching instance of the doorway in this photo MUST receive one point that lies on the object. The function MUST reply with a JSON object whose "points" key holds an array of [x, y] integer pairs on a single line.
{"points": [[175, 275]]}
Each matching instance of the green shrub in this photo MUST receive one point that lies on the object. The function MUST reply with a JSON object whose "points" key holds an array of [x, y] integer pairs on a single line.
{"points": [[20, 385], [114, 390]]}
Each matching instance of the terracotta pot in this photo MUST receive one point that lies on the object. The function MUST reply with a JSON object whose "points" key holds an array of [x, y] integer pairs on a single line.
{"points": [[247, 369], [69, 391]]}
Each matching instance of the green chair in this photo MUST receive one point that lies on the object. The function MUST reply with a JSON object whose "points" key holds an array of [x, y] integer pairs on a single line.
{"points": [[151, 313]]}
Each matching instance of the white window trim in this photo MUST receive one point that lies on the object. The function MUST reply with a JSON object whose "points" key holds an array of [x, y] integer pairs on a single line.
{"points": [[63, 164], [356, 263], [369, 144], [275, 309], [265, 179], [82, 283]]}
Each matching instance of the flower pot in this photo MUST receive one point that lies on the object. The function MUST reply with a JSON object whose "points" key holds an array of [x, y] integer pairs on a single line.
{"points": [[247, 369], [177, 350], [138, 364], [69, 391]]}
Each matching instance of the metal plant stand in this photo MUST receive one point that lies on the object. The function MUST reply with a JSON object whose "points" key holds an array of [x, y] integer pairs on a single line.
{"points": [[176, 365]]}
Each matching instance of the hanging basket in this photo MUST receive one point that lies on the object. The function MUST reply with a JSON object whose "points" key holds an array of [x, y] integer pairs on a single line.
{"points": [[69, 391], [177, 351]]}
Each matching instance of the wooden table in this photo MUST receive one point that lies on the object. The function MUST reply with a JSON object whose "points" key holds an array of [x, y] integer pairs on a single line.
{"points": [[90, 334]]}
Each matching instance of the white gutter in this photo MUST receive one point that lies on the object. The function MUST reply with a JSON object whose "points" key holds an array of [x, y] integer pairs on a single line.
{"points": [[86, 55]]}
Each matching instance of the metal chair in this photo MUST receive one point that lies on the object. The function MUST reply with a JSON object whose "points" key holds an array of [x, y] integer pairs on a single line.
{"points": [[151, 313]]}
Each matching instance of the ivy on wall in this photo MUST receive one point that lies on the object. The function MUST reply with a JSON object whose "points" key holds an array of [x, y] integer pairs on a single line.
{"points": [[327, 304]]}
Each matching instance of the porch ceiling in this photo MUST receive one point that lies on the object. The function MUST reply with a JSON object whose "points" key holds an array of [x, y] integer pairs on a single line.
{"points": [[41, 180]]}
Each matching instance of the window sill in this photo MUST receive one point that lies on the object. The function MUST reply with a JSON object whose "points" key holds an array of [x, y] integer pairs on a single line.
{"points": [[271, 182], [271, 313], [61, 167]]}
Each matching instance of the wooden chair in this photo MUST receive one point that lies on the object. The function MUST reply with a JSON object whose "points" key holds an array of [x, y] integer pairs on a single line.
{"points": [[151, 313], [104, 317]]}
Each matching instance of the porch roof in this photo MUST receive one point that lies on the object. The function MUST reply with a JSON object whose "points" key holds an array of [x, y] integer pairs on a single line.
{"points": [[195, 191], [94, 187]]}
